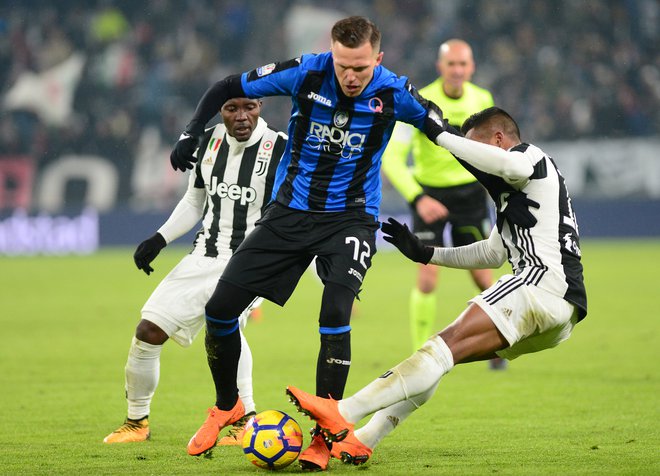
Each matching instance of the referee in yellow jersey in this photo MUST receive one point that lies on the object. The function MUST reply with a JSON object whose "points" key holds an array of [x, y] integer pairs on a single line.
{"points": [[439, 190]]}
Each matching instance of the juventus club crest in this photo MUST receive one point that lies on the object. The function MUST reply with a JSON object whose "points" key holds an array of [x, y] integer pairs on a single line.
{"points": [[263, 157]]}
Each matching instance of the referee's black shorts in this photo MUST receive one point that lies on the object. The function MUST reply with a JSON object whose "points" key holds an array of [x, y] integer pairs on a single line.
{"points": [[469, 215], [274, 256]]}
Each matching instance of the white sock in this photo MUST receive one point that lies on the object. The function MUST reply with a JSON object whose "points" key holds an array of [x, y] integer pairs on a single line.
{"points": [[384, 421], [244, 376], [142, 373], [416, 375]]}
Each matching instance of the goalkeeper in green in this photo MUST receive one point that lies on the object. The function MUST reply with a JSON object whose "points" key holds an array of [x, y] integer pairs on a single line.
{"points": [[439, 190]]}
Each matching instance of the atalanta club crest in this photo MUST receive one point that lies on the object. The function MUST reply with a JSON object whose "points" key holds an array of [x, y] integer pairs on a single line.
{"points": [[340, 119]]}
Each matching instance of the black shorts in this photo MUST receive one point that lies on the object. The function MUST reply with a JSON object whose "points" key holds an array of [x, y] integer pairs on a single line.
{"points": [[274, 256], [469, 215]]}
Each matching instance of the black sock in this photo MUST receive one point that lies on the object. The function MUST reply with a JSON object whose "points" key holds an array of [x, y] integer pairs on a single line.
{"points": [[223, 340], [222, 353], [333, 365]]}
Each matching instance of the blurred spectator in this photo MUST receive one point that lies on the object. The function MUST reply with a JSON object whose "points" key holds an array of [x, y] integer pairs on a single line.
{"points": [[565, 69]]}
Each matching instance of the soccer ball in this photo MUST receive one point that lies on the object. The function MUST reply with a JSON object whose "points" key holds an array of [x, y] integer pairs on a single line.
{"points": [[272, 440]]}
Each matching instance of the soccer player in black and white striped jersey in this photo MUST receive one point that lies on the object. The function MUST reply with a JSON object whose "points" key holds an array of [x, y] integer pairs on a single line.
{"points": [[534, 308], [228, 189]]}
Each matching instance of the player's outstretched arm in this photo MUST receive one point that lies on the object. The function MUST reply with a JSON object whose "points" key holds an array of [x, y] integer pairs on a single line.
{"points": [[483, 254], [511, 166], [181, 157]]}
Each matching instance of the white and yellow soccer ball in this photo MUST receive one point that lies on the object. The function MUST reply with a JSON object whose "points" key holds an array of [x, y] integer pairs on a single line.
{"points": [[272, 440]]}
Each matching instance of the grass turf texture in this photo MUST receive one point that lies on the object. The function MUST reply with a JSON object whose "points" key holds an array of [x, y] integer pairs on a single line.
{"points": [[589, 406]]}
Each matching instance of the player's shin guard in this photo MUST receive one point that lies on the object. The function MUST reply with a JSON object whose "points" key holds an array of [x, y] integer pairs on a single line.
{"points": [[334, 361], [414, 376], [223, 350], [142, 374]]}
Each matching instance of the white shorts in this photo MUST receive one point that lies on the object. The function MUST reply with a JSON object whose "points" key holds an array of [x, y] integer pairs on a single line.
{"points": [[177, 304], [529, 318]]}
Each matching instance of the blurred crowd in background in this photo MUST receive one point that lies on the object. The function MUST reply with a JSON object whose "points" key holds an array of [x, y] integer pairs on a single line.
{"points": [[565, 69]]}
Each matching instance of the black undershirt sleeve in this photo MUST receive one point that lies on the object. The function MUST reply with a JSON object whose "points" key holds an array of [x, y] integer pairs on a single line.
{"points": [[212, 101]]}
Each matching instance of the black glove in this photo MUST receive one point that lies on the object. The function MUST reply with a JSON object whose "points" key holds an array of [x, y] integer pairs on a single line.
{"points": [[517, 211], [401, 237], [147, 251], [181, 157], [434, 122]]}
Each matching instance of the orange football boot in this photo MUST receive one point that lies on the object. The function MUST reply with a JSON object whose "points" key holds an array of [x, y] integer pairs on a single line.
{"points": [[317, 455], [234, 436], [207, 435], [350, 450], [324, 410], [132, 431]]}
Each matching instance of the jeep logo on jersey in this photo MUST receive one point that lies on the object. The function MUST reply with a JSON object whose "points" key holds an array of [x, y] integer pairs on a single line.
{"points": [[340, 119], [318, 98], [333, 140], [233, 192]]}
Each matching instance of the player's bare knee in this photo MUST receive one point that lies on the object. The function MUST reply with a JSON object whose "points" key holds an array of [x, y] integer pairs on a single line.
{"points": [[427, 280], [148, 332], [426, 288]]}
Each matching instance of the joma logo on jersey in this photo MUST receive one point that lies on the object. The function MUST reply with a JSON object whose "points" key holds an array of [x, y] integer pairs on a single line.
{"points": [[319, 98], [336, 136], [233, 192], [355, 273]]}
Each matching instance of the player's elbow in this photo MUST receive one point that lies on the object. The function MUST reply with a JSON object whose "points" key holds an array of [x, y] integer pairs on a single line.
{"points": [[194, 202], [494, 261], [501, 259]]}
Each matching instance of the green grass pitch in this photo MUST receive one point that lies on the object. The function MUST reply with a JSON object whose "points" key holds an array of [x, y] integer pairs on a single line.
{"points": [[590, 406]]}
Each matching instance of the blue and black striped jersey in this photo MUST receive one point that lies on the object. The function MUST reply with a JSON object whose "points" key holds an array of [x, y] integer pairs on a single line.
{"points": [[333, 158]]}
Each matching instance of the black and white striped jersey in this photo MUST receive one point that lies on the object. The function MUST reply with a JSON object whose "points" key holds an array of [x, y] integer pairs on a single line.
{"points": [[238, 180], [546, 251]]}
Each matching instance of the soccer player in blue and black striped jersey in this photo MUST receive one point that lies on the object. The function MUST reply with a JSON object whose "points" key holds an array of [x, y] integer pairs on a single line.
{"points": [[325, 203]]}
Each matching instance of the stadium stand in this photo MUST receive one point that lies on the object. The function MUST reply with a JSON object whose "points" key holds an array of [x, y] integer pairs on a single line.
{"points": [[567, 70]]}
